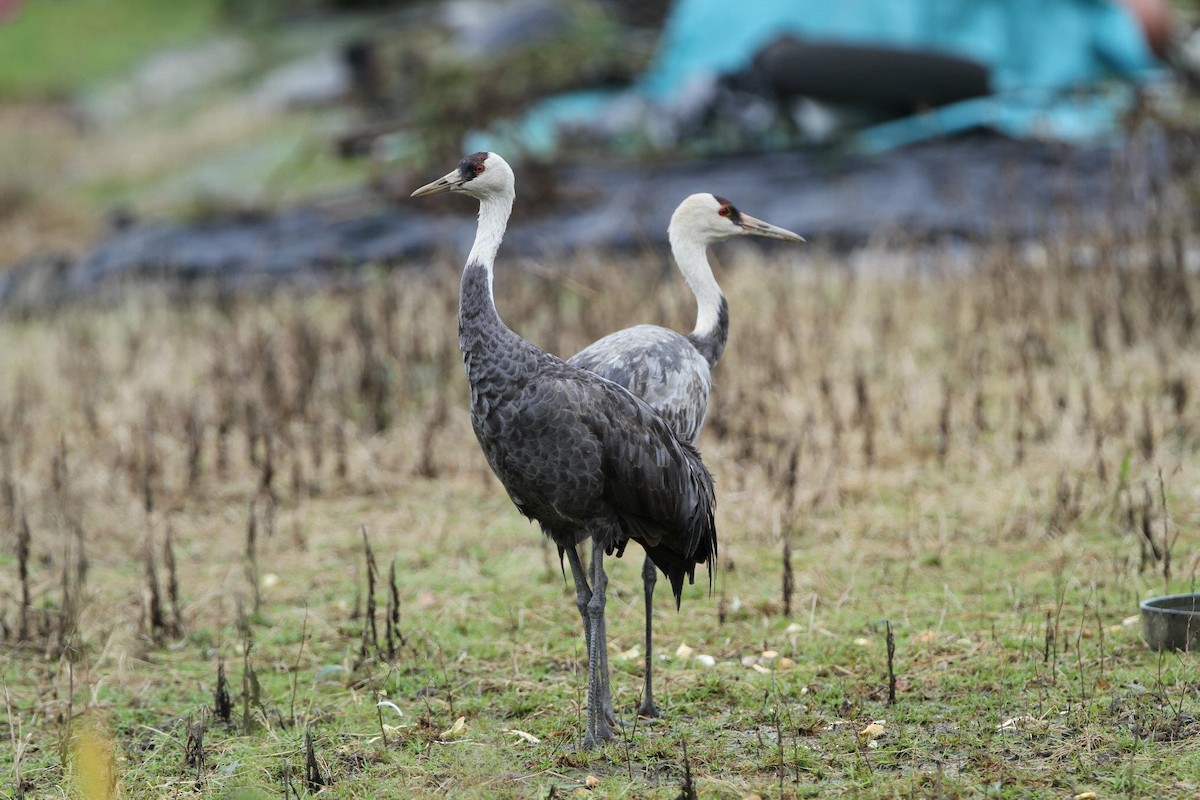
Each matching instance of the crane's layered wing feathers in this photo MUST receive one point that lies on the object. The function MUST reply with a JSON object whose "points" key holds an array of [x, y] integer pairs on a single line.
{"points": [[657, 485], [551, 461], [661, 367]]}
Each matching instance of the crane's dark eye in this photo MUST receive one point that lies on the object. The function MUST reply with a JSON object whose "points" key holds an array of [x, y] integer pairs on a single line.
{"points": [[724, 212], [479, 168]]}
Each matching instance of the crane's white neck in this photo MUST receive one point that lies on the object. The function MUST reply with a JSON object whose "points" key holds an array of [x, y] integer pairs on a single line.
{"points": [[494, 211], [692, 257]]}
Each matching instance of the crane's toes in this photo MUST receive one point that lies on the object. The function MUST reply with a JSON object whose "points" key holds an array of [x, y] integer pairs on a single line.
{"points": [[649, 714], [597, 739], [613, 720]]}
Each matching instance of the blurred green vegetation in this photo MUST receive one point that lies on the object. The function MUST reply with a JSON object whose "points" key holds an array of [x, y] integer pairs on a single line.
{"points": [[52, 47], [77, 140]]}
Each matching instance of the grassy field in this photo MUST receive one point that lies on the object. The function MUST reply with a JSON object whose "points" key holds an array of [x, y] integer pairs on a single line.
{"points": [[55, 48], [998, 464]]}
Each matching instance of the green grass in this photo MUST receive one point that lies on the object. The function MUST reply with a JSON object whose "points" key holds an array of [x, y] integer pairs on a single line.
{"points": [[283, 163], [497, 644], [211, 149], [51, 48], [975, 557]]}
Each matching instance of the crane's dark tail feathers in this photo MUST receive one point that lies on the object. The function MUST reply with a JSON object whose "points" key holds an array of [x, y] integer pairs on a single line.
{"points": [[677, 566], [699, 540]]}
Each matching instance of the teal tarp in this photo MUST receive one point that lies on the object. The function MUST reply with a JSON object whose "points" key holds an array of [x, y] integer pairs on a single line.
{"points": [[1060, 69], [1026, 43]]}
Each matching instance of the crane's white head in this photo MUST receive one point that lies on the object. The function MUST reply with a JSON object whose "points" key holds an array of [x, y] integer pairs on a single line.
{"points": [[708, 218], [481, 175]]}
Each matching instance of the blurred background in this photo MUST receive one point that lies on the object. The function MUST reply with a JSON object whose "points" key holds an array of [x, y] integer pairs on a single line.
{"points": [[257, 141], [965, 410]]}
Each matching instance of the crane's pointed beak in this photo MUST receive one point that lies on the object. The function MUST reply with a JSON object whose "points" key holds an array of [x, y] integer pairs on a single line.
{"points": [[447, 183], [756, 227]]}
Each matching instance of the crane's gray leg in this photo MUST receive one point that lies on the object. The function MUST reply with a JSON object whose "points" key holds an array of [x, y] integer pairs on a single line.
{"points": [[583, 596], [583, 593], [606, 687], [647, 708], [599, 730]]}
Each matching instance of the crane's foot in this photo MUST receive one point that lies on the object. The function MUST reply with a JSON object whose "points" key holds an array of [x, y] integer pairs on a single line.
{"points": [[610, 717], [599, 737], [648, 713], [617, 723], [644, 716]]}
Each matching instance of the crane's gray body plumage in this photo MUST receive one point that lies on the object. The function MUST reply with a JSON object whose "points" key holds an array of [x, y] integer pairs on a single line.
{"points": [[669, 370], [658, 365], [581, 455]]}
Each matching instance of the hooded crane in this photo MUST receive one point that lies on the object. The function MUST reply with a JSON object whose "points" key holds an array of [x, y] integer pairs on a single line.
{"points": [[670, 371], [578, 453]]}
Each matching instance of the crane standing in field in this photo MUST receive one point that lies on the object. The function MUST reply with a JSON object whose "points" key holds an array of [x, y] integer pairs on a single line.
{"points": [[578, 453], [670, 371]]}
